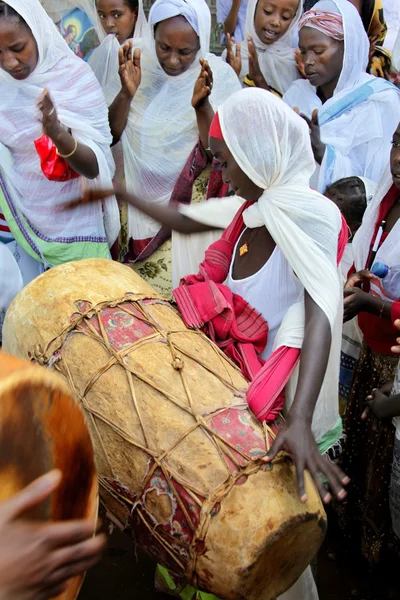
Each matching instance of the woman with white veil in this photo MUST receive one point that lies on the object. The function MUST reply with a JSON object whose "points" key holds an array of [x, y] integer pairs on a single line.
{"points": [[351, 114]]}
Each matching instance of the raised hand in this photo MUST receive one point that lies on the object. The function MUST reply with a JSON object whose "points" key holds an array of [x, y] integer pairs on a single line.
{"points": [[254, 67], [50, 124], [233, 56], [130, 72], [203, 86], [37, 559], [315, 135]]}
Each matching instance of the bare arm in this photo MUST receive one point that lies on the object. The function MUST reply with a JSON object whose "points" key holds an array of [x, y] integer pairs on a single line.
{"points": [[201, 103], [297, 436], [232, 18], [79, 157], [130, 75]]}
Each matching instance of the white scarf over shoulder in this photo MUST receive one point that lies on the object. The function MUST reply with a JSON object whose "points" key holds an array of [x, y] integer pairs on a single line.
{"points": [[80, 107], [277, 61], [162, 129], [304, 224], [357, 123]]}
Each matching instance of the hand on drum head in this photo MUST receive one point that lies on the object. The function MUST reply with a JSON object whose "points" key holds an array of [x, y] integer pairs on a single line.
{"points": [[297, 438], [38, 558]]}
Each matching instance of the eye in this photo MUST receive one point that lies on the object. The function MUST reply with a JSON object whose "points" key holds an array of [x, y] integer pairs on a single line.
{"points": [[186, 52], [19, 49], [318, 52], [163, 47], [395, 144], [118, 15], [101, 16], [267, 12]]}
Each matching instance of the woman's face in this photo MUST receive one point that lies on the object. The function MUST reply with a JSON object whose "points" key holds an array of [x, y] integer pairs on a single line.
{"points": [[272, 18], [395, 158], [117, 18], [232, 174], [177, 45], [322, 56], [19, 53]]}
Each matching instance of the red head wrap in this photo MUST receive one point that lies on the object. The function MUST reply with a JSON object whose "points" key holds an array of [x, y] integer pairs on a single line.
{"points": [[215, 128]]}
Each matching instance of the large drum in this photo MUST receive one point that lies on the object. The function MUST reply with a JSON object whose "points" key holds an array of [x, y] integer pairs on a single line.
{"points": [[177, 449], [42, 427]]}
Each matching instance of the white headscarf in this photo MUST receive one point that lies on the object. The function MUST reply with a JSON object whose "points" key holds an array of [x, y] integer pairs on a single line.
{"points": [[304, 224], [80, 107], [104, 60], [357, 123], [277, 61], [162, 130]]}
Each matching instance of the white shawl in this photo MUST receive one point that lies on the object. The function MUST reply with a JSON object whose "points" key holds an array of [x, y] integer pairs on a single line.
{"points": [[80, 106], [357, 123], [162, 130], [304, 224], [277, 61]]}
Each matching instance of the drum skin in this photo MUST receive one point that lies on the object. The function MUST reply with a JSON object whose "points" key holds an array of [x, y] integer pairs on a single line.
{"points": [[178, 452], [42, 428]]}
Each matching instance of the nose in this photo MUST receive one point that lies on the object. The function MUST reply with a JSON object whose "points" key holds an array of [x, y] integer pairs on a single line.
{"points": [[274, 20], [308, 59], [10, 62], [173, 60], [110, 23]]}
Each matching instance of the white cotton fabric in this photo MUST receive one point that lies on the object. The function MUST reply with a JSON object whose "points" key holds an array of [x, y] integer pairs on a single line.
{"points": [[80, 106], [304, 224], [277, 61], [361, 135], [162, 130], [10, 277]]}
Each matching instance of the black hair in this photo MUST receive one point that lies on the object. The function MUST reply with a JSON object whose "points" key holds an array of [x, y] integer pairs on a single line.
{"points": [[350, 196], [7, 12], [132, 4]]}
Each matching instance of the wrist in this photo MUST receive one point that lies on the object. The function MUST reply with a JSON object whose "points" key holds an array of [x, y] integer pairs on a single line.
{"points": [[203, 106], [260, 81], [57, 135], [298, 418], [126, 95]]}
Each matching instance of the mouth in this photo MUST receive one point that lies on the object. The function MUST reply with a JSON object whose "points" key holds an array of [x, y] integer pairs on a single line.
{"points": [[270, 35], [396, 177], [172, 72], [311, 76], [19, 73]]}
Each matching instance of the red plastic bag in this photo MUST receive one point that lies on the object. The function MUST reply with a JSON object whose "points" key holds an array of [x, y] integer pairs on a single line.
{"points": [[54, 167]]}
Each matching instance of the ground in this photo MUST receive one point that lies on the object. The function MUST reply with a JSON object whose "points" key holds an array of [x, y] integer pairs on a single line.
{"points": [[129, 575]]}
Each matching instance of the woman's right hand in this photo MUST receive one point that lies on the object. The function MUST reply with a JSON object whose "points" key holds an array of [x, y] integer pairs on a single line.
{"points": [[357, 279], [233, 56], [355, 301], [130, 72], [38, 558]]}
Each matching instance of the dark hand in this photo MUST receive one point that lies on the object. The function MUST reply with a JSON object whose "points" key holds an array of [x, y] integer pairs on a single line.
{"points": [[379, 402], [203, 86], [50, 124], [233, 56], [355, 301], [254, 67], [315, 135], [297, 438], [396, 349], [357, 279], [89, 196], [37, 559], [130, 72]]}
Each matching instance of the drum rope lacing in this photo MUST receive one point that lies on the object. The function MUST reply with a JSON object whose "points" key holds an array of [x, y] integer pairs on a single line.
{"points": [[52, 354]]}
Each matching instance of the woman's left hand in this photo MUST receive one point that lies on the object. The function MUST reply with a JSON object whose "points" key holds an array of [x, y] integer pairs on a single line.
{"points": [[203, 86], [297, 438], [254, 66], [318, 146], [50, 124]]}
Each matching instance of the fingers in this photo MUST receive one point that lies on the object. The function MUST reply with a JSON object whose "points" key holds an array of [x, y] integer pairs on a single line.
{"points": [[366, 412], [136, 57], [335, 477], [276, 447], [64, 533], [31, 496], [238, 51], [397, 325], [300, 480], [89, 196], [73, 560], [323, 492]]}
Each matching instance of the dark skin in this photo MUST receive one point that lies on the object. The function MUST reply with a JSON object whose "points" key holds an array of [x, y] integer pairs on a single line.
{"points": [[38, 558], [296, 437], [322, 59], [117, 18], [232, 18], [272, 19], [356, 300], [19, 57]]}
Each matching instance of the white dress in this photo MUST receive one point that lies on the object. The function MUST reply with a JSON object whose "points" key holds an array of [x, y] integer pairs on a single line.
{"points": [[272, 291]]}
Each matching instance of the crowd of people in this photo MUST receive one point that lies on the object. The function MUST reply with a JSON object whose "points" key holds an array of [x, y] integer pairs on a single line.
{"points": [[259, 189]]}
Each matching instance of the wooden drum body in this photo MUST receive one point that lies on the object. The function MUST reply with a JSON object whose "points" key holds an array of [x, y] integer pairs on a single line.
{"points": [[41, 428], [177, 449]]}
